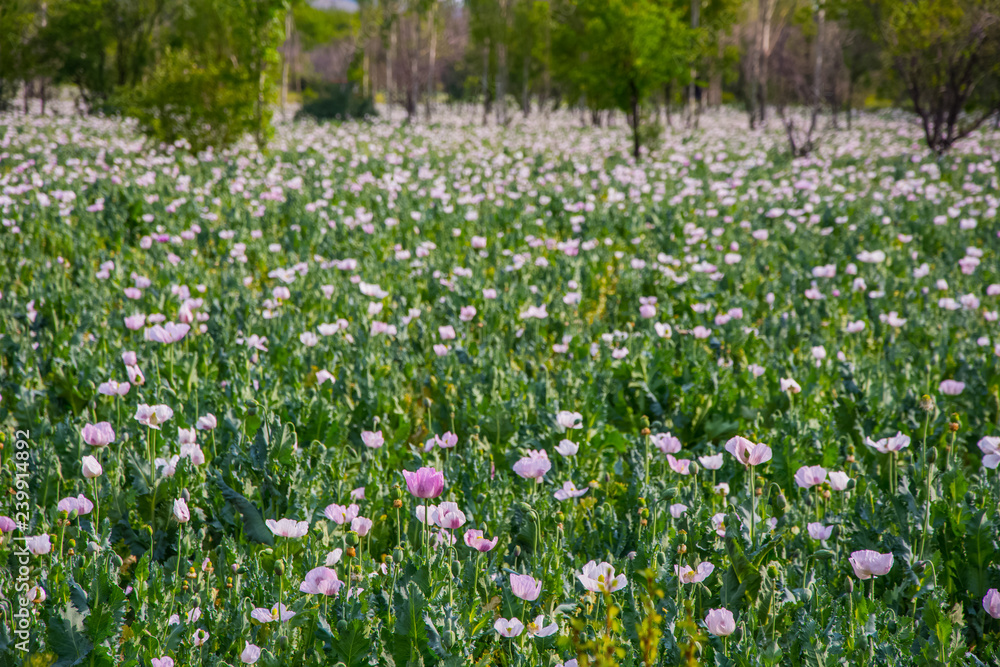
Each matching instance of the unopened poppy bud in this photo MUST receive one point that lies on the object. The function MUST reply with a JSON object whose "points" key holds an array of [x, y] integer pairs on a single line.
{"points": [[781, 502], [932, 455], [396, 493], [186, 495], [849, 586], [448, 638], [456, 568], [823, 554], [517, 551], [397, 555], [641, 502], [524, 507], [72, 543], [919, 567], [644, 423], [279, 567], [352, 539], [772, 571]]}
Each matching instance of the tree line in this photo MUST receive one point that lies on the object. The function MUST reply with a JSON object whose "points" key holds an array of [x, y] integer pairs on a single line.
{"points": [[212, 71]]}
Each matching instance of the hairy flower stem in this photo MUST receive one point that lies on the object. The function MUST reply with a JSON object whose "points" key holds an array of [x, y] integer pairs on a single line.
{"points": [[753, 510]]}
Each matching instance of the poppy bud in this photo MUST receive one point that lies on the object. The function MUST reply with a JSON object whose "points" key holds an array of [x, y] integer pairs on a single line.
{"points": [[670, 492], [644, 512], [560, 517], [517, 551], [341, 625], [919, 567], [396, 493], [456, 568], [823, 554], [772, 571], [932, 455], [641, 502], [781, 502], [644, 423], [352, 539], [397, 555], [279, 567], [448, 639], [186, 495], [524, 507], [849, 586]]}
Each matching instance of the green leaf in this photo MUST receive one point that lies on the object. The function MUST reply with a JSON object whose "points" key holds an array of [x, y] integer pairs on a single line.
{"points": [[353, 645], [254, 527]]}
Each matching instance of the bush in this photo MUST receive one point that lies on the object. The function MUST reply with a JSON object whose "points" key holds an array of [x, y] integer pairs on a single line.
{"points": [[206, 105], [337, 101]]}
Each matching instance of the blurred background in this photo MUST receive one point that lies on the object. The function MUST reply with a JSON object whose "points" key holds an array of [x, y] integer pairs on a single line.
{"points": [[213, 71]]}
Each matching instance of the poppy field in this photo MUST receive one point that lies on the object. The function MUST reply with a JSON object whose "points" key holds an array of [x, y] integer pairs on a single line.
{"points": [[465, 395]]}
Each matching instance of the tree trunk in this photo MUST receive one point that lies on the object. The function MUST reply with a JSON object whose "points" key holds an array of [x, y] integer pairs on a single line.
{"points": [[412, 93], [634, 121], [388, 72], [525, 89], [486, 83], [818, 65], [766, 12], [285, 52], [502, 82], [431, 57], [693, 87]]}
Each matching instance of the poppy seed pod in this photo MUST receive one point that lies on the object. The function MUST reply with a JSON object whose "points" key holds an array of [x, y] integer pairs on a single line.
{"points": [[352, 539], [397, 555], [953, 427]]}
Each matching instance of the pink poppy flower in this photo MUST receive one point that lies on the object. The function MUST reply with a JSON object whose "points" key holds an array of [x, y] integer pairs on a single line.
{"points": [[340, 514], [372, 440], [537, 627], [679, 466], [748, 453], [569, 420], [600, 578], [951, 387], [809, 476], [250, 654], [98, 435], [868, 563], [508, 627], [80, 505], [990, 447], [818, 531], [424, 483], [474, 539], [838, 480], [667, 443], [91, 468], [568, 491], [991, 603], [321, 581], [895, 443], [534, 465], [153, 415], [720, 622], [687, 575], [525, 587], [288, 527]]}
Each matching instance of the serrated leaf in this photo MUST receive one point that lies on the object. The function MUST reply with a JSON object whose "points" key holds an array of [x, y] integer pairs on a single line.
{"points": [[254, 527], [353, 645]]}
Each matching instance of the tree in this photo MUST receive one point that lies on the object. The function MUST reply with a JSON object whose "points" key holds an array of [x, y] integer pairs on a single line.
{"points": [[616, 53], [946, 54]]}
